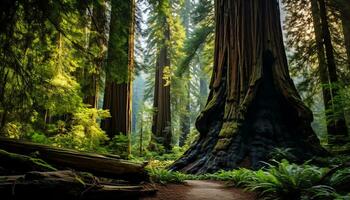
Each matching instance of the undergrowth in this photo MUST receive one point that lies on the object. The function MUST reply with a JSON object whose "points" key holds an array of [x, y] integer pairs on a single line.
{"points": [[278, 181]]}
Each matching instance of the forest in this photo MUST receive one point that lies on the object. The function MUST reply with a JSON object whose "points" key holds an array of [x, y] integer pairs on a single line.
{"points": [[175, 99]]}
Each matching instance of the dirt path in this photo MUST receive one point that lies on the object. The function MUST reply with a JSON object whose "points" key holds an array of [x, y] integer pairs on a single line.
{"points": [[200, 190]]}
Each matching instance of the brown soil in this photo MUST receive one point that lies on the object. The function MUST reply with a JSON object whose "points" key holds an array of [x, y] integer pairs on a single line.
{"points": [[200, 190]]}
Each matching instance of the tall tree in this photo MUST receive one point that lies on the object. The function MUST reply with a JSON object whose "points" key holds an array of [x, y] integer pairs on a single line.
{"points": [[160, 23], [97, 42], [322, 65], [343, 7], [337, 125], [239, 127], [185, 120], [119, 68]]}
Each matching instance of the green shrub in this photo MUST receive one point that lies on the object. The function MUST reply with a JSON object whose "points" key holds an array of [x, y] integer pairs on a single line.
{"points": [[283, 154], [84, 132], [164, 176], [341, 180], [39, 137], [119, 145], [285, 180]]}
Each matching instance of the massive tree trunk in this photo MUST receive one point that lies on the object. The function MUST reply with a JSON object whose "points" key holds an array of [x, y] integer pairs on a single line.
{"points": [[161, 125], [337, 126], [97, 40], [119, 69], [253, 105]]}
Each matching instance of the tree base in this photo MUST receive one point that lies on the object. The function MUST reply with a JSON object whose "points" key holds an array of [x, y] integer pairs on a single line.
{"points": [[270, 122]]}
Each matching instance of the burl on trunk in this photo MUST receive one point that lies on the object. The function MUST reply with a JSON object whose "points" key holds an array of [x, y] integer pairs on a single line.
{"points": [[253, 105]]}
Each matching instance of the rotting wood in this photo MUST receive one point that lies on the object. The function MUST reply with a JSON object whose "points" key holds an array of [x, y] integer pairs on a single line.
{"points": [[66, 185], [94, 163]]}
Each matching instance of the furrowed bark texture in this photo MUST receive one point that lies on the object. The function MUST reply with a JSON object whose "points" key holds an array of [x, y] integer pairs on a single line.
{"points": [[253, 105]]}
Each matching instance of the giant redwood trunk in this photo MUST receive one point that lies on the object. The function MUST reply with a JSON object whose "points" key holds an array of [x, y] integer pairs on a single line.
{"points": [[161, 125], [119, 69], [253, 105]]}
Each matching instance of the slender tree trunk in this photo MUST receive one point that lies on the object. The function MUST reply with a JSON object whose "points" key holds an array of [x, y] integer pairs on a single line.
{"points": [[345, 17], [161, 125], [323, 72], [141, 134], [253, 105], [185, 119], [343, 7], [99, 40], [120, 65], [337, 126]]}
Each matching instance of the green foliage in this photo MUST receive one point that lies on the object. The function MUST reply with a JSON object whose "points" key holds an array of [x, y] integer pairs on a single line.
{"points": [[285, 181], [164, 176], [38, 137], [283, 153], [341, 178], [118, 44], [119, 145], [83, 131]]}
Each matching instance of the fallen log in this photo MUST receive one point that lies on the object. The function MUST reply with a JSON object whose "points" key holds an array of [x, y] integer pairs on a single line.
{"points": [[15, 163], [65, 185], [99, 165]]}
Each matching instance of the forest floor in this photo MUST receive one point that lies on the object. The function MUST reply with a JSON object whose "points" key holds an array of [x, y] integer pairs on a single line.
{"points": [[200, 190]]}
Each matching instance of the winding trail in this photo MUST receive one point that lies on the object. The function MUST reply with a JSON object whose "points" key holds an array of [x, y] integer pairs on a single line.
{"points": [[200, 190]]}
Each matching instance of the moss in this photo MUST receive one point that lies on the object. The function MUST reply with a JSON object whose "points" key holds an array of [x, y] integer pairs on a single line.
{"points": [[211, 104], [22, 163], [222, 144], [229, 129]]}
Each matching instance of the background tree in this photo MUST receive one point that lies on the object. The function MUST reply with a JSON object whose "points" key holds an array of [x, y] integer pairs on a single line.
{"points": [[119, 69], [165, 38], [98, 44], [309, 64]]}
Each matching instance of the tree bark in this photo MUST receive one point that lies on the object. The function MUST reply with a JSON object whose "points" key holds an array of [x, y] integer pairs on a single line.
{"points": [[253, 105], [337, 126], [67, 185], [161, 124], [120, 69]]}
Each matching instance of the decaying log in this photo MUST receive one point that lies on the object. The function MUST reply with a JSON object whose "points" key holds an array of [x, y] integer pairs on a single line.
{"points": [[97, 164], [15, 163], [65, 185]]}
